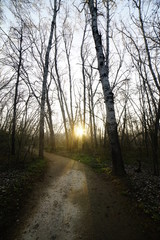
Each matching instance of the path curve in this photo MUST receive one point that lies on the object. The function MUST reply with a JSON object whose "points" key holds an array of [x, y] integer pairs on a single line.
{"points": [[75, 203]]}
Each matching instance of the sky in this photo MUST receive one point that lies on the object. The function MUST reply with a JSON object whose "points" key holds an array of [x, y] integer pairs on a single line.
{"points": [[76, 21]]}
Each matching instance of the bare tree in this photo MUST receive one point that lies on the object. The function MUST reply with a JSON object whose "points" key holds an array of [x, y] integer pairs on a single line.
{"points": [[58, 84], [16, 91], [45, 75], [67, 33], [118, 167], [15, 50], [50, 121], [83, 54], [144, 56]]}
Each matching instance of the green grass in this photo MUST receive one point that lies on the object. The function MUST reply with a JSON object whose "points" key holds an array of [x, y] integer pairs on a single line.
{"points": [[96, 161], [36, 168]]}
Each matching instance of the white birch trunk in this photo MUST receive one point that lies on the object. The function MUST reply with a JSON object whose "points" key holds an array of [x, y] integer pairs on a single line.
{"points": [[118, 167]]}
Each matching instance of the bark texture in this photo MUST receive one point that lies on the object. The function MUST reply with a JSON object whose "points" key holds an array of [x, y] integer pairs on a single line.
{"points": [[103, 67]]}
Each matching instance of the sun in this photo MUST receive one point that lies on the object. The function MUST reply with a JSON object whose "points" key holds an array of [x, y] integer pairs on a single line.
{"points": [[79, 131]]}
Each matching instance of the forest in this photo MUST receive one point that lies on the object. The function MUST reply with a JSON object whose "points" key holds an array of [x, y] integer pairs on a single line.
{"points": [[54, 93], [81, 78]]}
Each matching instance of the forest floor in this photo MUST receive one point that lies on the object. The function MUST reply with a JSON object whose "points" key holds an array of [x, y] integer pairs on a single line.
{"points": [[17, 181], [73, 202]]}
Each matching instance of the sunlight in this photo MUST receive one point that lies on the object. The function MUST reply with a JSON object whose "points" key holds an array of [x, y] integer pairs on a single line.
{"points": [[79, 131]]}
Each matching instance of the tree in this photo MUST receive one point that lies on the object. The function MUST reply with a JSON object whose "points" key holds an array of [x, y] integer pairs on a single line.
{"points": [[60, 93], [15, 51], [16, 91], [45, 75], [49, 121], [117, 161], [142, 45], [83, 59]]}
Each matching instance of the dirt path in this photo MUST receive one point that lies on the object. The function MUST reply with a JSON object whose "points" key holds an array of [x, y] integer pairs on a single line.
{"points": [[75, 203]]}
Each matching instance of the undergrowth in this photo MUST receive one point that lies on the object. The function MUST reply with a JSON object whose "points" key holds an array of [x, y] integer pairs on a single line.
{"points": [[94, 160], [16, 183], [143, 188]]}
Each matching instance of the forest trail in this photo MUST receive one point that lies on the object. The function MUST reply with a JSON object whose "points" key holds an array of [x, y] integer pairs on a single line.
{"points": [[75, 203]]}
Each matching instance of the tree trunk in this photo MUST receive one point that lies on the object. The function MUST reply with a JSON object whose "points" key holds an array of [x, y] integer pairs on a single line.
{"points": [[59, 90], [117, 161], [50, 124], [13, 151], [44, 84], [84, 82]]}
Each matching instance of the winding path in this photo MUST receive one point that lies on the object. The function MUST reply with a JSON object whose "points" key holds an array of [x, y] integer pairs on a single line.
{"points": [[75, 203]]}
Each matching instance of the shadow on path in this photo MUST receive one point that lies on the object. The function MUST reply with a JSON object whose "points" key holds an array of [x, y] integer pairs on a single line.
{"points": [[75, 203]]}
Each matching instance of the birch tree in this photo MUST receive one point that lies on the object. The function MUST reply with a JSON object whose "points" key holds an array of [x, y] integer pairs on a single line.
{"points": [[103, 68]]}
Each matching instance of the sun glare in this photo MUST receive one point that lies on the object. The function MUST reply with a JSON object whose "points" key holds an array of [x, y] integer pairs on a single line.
{"points": [[79, 131]]}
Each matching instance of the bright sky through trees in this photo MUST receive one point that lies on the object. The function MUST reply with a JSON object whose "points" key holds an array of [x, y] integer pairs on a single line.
{"points": [[79, 131], [133, 65]]}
